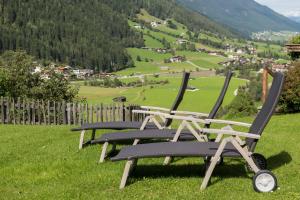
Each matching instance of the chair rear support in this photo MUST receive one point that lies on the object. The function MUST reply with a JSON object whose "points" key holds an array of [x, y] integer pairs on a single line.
{"points": [[180, 95], [265, 114]]}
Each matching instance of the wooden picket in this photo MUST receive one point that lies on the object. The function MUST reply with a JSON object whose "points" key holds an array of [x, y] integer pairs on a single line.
{"points": [[39, 112]]}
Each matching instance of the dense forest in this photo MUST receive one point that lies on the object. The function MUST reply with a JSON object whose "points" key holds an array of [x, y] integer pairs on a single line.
{"points": [[86, 33]]}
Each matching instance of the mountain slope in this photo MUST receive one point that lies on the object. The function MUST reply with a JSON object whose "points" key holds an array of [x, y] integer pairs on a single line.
{"points": [[246, 16], [90, 34], [295, 18]]}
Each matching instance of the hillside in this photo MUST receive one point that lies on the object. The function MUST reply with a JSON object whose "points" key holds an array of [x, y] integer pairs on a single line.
{"points": [[87, 34], [295, 18], [246, 16]]}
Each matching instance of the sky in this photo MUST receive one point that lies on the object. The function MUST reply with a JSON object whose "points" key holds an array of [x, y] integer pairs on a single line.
{"points": [[285, 7]]}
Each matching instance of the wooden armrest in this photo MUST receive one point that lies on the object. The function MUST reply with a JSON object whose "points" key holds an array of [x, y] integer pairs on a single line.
{"points": [[196, 114], [186, 118], [227, 122], [231, 132], [148, 112], [155, 108]]}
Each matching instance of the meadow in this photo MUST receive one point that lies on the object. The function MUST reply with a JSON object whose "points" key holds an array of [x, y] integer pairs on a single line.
{"points": [[151, 62], [43, 162], [201, 100]]}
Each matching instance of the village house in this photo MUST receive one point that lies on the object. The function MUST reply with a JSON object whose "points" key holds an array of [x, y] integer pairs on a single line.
{"points": [[37, 69], [177, 59], [181, 41], [83, 73], [160, 50], [280, 67], [63, 69], [155, 24]]}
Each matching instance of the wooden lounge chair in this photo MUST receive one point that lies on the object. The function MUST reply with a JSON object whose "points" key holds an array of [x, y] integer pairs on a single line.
{"points": [[229, 143], [161, 133], [123, 125]]}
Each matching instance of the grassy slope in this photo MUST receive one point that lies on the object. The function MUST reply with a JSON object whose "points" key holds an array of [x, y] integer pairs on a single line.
{"points": [[209, 89], [46, 164], [203, 60]]}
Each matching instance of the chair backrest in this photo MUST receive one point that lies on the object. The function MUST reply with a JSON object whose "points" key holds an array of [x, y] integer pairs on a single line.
{"points": [[220, 99], [182, 89], [265, 114]]}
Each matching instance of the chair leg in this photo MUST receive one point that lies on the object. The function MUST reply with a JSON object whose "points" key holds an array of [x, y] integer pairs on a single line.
{"points": [[126, 172], [93, 135], [213, 163], [103, 152], [167, 160], [81, 139]]}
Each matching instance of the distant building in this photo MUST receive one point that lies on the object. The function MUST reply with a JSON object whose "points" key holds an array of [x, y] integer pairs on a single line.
{"points": [[137, 26], [280, 67], [181, 41], [154, 24], [177, 59], [83, 73], [160, 50]]}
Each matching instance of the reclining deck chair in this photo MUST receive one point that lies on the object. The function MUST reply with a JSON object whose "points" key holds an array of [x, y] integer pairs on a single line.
{"points": [[231, 146], [123, 125], [161, 133]]}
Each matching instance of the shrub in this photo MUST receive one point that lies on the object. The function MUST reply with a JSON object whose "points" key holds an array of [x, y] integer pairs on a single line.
{"points": [[295, 40], [290, 98], [242, 105]]}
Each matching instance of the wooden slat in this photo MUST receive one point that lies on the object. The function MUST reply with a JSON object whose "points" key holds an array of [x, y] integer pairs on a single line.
{"points": [[74, 114], [54, 113]]}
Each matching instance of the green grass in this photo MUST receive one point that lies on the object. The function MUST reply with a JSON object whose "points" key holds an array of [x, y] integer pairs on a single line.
{"points": [[152, 43], [156, 61], [44, 163], [202, 100]]}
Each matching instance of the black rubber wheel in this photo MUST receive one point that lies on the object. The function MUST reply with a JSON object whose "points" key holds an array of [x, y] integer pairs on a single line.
{"points": [[264, 181], [260, 161]]}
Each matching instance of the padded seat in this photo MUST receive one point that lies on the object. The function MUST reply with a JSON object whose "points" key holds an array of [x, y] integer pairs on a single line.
{"points": [[174, 149], [145, 134]]}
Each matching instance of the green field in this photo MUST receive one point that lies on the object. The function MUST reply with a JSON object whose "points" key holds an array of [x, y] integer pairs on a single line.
{"points": [[43, 162], [201, 100], [202, 61]]}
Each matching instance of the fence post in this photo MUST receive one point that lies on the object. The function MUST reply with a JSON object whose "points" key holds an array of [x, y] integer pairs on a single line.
{"points": [[19, 111], [69, 113]]}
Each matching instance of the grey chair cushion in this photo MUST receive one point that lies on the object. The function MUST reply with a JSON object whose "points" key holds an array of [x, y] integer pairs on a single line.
{"points": [[122, 125], [174, 149], [145, 134]]}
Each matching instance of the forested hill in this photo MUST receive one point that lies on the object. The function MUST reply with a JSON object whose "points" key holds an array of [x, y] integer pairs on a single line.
{"points": [[86, 33], [246, 16]]}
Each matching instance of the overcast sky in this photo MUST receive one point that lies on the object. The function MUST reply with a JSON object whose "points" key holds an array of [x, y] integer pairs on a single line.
{"points": [[285, 7]]}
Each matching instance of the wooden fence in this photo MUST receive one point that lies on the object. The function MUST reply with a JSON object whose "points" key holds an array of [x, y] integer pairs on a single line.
{"points": [[35, 112]]}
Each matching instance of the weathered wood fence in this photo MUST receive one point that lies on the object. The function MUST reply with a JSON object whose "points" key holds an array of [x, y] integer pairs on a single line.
{"points": [[35, 112]]}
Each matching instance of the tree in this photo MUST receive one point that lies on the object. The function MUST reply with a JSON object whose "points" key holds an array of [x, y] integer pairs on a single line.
{"points": [[138, 58], [295, 40], [242, 105], [18, 80], [290, 98]]}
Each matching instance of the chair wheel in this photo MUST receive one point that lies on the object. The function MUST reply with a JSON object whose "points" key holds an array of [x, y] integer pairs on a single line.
{"points": [[260, 161], [264, 181]]}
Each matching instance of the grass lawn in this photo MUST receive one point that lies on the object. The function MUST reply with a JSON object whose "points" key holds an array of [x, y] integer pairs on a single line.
{"points": [[44, 163]]}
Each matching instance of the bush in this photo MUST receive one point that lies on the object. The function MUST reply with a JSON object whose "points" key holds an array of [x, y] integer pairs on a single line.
{"points": [[242, 105], [290, 98], [295, 40]]}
